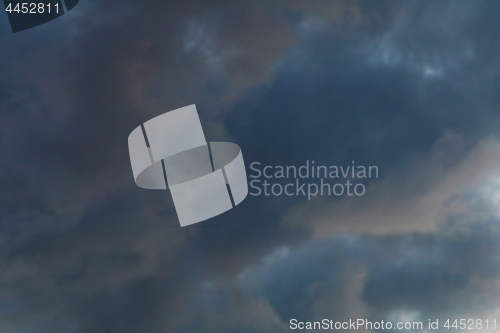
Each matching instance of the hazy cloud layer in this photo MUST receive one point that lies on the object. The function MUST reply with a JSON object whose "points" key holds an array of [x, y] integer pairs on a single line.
{"points": [[415, 199]]}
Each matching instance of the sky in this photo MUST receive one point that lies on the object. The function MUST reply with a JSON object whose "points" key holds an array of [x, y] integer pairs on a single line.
{"points": [[410, 87]]}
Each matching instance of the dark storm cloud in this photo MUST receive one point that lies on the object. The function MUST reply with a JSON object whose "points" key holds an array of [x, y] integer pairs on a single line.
{"points": [[77, 235], [446, 276], [447, 272], [84, 250], [417, 96], [414, 276], [378, 97], [70, 104]]}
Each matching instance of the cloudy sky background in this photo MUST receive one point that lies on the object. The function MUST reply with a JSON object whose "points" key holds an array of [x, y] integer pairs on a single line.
{"points": [[412, 87]]}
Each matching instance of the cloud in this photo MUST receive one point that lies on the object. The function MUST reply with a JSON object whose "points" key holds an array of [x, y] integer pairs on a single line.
{"points": [[84, 250], [413, 199], [450, 272], [76, 233]]}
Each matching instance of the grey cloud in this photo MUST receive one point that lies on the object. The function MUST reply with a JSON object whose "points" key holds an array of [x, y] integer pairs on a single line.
{"points": [[448, 273], [77, 235]]}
